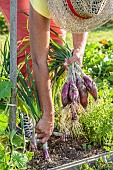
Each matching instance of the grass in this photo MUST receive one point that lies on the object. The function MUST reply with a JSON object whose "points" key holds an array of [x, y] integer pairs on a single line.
{"points": [[2, 39], [101, 33], [95, 36]]}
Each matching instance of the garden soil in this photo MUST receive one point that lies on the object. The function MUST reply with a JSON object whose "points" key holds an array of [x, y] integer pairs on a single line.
{"points": [[63, 152]]}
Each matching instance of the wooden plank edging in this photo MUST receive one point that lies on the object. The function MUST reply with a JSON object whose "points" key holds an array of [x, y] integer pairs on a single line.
{"points": [[90, 160]]}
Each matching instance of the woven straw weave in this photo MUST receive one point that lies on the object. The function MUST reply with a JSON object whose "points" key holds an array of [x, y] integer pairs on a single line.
{"points": [[98, 12]]}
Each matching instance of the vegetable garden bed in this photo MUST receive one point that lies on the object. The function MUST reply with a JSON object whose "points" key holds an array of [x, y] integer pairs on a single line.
{"points": [[89, 137], [68, 155], [75, 151]]}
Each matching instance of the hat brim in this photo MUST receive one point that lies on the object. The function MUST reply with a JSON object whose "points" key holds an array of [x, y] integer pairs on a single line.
{"points": [[68, 21]]}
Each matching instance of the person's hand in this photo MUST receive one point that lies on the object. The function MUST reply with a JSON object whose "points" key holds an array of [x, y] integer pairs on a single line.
{"points": [[77, 56], [44, 128]]}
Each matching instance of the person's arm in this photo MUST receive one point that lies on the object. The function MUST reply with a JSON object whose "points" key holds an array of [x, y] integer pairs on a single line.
{"points": [[79, 43], [39, 42]]}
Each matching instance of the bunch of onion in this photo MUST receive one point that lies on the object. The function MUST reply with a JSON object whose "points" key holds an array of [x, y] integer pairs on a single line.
{"points": [[76, 77], [75, 92], [77, 86], [57, 55]]}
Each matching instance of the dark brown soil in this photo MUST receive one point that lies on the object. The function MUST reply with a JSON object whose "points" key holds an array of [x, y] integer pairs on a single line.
{"points": [[62, 152]]}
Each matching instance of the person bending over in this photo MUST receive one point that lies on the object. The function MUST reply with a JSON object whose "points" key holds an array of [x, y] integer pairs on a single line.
{"points": [[76, 16]]}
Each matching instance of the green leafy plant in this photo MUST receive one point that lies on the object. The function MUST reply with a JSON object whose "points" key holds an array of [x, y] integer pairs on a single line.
{"points": [[101, 164], [3, 25], [98, 61], [98, 121], [12, 152], [11, 145]]}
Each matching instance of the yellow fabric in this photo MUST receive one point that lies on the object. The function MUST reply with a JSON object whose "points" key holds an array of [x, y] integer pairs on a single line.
{"points": [[41, 7]]}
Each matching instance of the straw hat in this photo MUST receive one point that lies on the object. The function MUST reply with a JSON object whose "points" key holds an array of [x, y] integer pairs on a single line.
{"points": [[80, 15]]}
